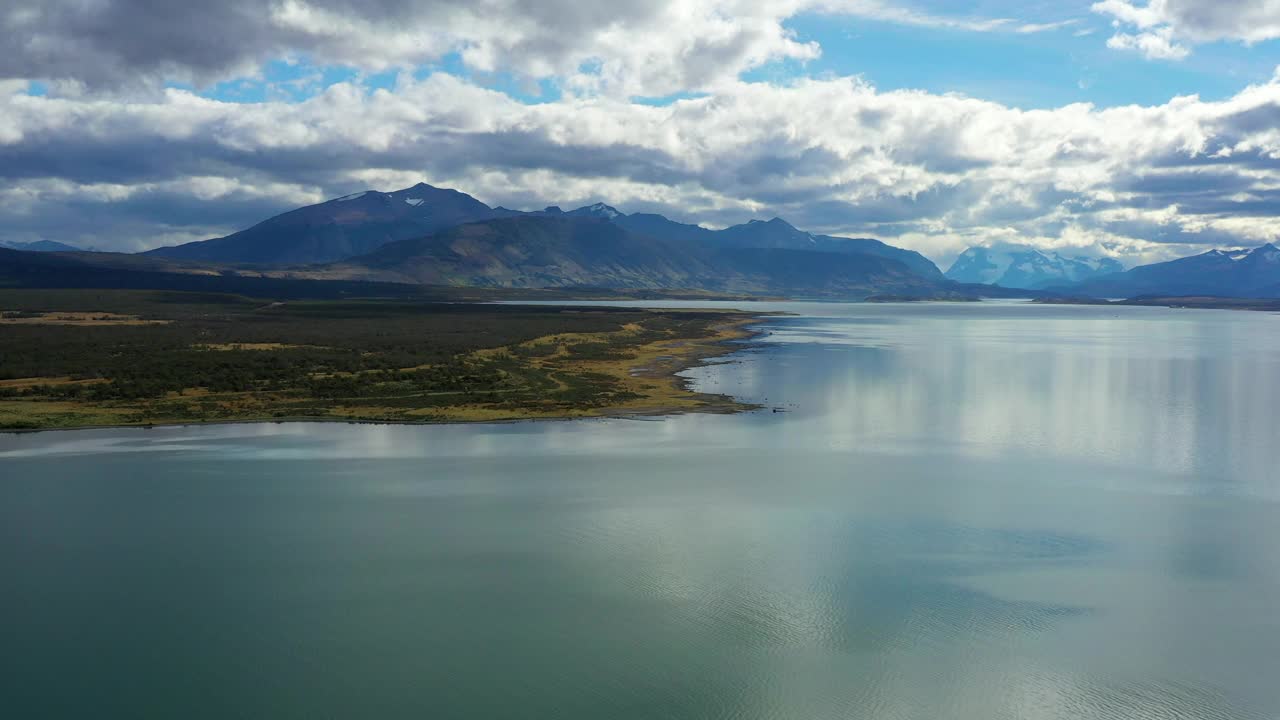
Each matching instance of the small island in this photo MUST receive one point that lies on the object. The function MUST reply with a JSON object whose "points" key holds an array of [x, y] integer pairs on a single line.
{"points": [[83, 358]]}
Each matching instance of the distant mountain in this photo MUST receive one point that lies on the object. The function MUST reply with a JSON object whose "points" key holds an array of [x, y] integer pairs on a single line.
{"points": [[359, 224], [1218, 273], [39, 246], [599, 210], [1023, 266], [584, 253], [347, 226], [590, 249]]}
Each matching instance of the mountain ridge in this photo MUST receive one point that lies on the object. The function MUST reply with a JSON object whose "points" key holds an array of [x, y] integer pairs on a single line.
{"points": [[359, 223], [1252, 273], [38, 246]]}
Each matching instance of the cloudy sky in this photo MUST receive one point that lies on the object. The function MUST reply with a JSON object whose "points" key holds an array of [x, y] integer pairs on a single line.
{"points": [[1142, 129]]}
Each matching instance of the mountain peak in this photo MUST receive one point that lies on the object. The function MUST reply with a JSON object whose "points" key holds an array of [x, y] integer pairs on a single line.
{"points": [[597, 210], [1268, 254], [423, 188], [339, 228], [775, 222]]}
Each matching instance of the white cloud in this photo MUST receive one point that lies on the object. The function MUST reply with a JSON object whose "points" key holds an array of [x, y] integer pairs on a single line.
{"points": [[631, 47], [1031, 28], [904, 15], [1156, 45], [96, 163], [1163, 24], [832, 155], [623, 48]]}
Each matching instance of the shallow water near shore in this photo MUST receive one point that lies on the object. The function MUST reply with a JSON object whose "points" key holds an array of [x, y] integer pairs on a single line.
{"points": [[994, 510]]}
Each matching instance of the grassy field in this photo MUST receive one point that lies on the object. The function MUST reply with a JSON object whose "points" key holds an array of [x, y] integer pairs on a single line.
{"points": [[76, 358]]}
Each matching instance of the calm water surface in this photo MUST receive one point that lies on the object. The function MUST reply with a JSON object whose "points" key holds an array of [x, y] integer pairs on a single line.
{"points": [[966, 511]]}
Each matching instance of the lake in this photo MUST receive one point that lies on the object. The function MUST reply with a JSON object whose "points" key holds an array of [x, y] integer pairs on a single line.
{"points": [[995, 510]]}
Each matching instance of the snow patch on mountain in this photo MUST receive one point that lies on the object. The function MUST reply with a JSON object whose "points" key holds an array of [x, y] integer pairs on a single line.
{"points": [[599, 210], [1267, 253], [1023, 266]]}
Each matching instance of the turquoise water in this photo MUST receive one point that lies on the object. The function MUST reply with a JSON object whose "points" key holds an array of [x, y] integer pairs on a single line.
{"points": [[998, 510]]}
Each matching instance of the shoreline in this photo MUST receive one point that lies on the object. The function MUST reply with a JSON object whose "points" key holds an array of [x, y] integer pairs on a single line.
{"points": [[1175, 302], [655, 365]]}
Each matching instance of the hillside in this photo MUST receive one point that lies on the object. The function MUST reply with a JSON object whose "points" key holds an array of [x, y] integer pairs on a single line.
{"points": [[534, 251], [564, 251]]}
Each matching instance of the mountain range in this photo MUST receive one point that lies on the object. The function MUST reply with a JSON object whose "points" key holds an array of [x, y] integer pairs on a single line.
{"points": [[1217, 273], [567, 251], [38, 246], [429, 235], [1024, 266], [425, 235], [358, 224]]}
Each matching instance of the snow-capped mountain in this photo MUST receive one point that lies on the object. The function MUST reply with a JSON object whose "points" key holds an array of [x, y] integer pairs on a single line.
{"points": [[1219, 273], [599, 210], [1023, 266]]}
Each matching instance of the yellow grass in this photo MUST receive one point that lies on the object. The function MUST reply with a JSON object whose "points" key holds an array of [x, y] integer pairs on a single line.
{"points": [[20, 383], [83, 319], [647, 370], [58, 414], [650, 371]]}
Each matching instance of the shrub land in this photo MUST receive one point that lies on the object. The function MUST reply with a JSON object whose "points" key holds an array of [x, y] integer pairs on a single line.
{"points": [[72, 358]]}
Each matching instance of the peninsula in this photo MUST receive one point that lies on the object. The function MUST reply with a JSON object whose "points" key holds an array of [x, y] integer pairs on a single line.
{"points": [[80, 358]]}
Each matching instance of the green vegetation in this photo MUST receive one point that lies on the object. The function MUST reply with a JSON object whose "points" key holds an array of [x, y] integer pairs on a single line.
{"points": [[89, 357]]}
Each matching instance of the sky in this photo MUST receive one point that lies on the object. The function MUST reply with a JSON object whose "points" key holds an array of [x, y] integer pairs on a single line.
{"points": [[1137, 129]]}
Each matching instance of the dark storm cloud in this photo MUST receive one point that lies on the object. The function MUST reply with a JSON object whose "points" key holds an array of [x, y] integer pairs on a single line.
{"points": [[1211, 181], [113, 43]]}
